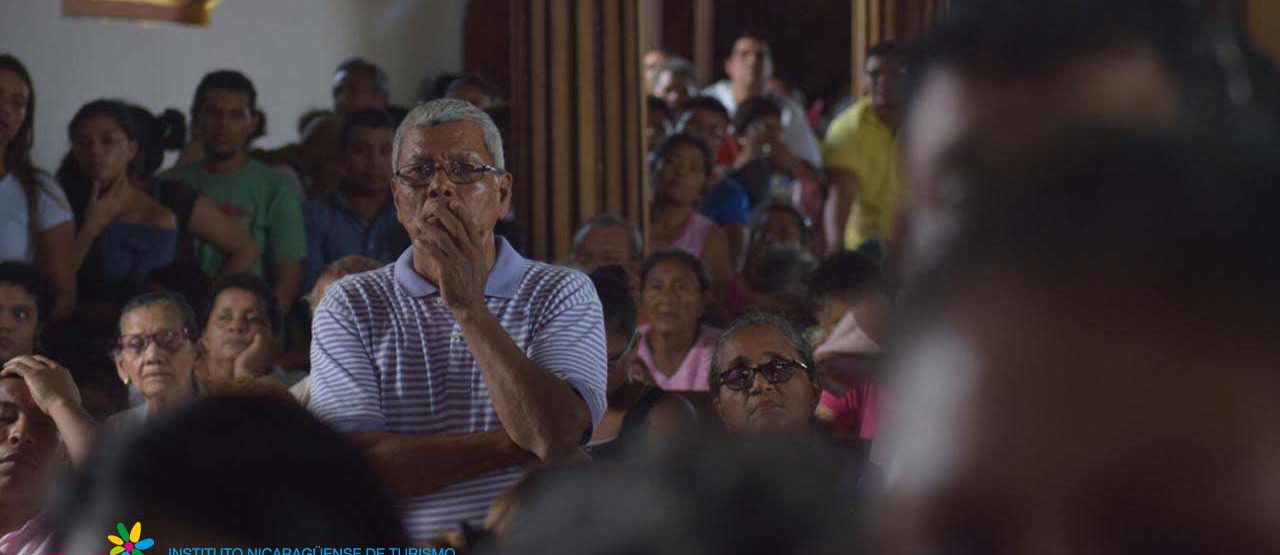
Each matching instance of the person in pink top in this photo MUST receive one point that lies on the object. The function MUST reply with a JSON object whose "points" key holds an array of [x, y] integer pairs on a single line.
{"points": [[681, 168], [673, 347], [853, 306]]}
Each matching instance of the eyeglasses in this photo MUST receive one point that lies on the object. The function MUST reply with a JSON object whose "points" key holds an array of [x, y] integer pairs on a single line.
{"points": [[740, 378], [169, 340], [417, 176], [631, 345]]}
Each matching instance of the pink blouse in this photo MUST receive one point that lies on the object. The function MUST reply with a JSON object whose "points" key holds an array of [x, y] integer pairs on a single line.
{"points": [[693, 371], [694, 237]]}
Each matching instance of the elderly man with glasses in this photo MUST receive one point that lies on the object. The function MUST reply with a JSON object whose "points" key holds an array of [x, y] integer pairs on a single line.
{"points": [[462, 361]]}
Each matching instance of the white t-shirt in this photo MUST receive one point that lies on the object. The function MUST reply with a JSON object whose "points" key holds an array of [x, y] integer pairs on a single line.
{"points": [[15, 231]]}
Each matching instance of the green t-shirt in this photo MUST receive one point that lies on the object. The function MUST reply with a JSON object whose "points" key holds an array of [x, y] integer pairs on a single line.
{"points": [[263, 199]]}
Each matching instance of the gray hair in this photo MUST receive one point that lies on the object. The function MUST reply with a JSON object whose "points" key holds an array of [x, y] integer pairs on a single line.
{"points": [[448, 110], [761, 319], [679, 66], [163, 298], [610, 219]]}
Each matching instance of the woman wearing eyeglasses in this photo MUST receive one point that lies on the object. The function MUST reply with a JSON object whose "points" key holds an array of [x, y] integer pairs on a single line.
{"points": [[637, 410], [156, 353], [762, 377]]}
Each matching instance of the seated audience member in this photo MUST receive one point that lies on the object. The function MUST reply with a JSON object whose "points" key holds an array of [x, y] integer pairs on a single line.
{"points": [[638, 412], [679, 172], [1095, 388], [657, 123], [853, 305], [653, 62], [43, 424], [474, 89], [608, 240], [359, 85], [320, 163], [38, 227], [765, 165], [123, 231], [704, 117], [26, 299], [273, 484], [338, 269], [749, 68], [358, 217], [776, 281], [781, 224], [260, 198], [156, 351], [675, 83], [763, 378], [239, 336], [860, 152], [674, 346], [516, 346]]}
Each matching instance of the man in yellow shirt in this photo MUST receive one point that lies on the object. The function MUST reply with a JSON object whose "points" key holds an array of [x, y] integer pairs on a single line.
{"points": [[860, 155]]}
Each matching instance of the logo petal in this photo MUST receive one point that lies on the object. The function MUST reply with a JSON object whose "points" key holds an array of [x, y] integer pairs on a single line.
{"points": [[115, 539], [137, 551], [117, 550], [144, 544], [136, 533], [123, 532]]}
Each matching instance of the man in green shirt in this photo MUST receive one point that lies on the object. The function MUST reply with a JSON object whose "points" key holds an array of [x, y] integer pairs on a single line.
{"points": [[224, 116]]}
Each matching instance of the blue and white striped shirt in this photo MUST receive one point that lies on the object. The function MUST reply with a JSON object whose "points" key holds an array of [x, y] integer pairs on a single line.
{"points": [[387, 356]]}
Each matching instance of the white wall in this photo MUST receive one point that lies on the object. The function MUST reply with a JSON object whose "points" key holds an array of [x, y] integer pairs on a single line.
{"points": [[287, 47]]}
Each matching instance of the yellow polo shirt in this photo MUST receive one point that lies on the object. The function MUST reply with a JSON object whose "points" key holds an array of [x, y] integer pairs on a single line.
{"points": [[859, 142]]}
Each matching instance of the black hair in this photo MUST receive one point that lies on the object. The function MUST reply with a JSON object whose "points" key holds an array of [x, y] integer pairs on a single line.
{"points": [[668, 145], [17, 154], [659, 105], [277, 467], [167, 298], [379, 76], [73, 181], [473, 80], [311, 115], [753, 35], [689, 261], [886, 48], [35, 282], [708, 103], [156, 135], [753, 109], [252, 283], [376, 119], [846, 274], [619, 306], [226, 80], [760, 319], [802, 221], [780, 269]]}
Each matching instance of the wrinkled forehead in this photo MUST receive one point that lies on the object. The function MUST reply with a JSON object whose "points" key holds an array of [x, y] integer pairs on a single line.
{"points": [[754, 344], [13, 389], [455, 140], [151, 318]]}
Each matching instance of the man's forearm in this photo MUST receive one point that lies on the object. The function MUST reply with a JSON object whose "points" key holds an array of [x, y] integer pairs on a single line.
{"points": [[540, 412], [415, 465]]}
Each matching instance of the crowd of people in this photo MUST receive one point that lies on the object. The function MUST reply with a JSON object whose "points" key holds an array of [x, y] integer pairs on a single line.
{"points": [[1014, 299]]}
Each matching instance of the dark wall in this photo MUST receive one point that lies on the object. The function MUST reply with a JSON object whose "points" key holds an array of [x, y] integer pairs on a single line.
{"points": [[810, 39]]}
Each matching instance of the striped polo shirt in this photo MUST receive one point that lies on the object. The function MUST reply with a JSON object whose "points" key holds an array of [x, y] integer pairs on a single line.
{"points": [[387, 356]]}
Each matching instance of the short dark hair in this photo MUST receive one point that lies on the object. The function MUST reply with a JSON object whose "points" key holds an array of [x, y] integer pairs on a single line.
{"points": [[846, 274], [708, 103], [376, 119], [616, 301], [760, 319], [33, 281], [886, 48], [659, 105], [689, 261], [473, 80], [227, 80], [168, 298], [610, 219], [753, 109], [668, 145], [375, 72], [252, 283], [802, 221]]}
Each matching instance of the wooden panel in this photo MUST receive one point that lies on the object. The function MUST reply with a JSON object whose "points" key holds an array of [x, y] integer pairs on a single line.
{"points": [[704, 36], [1263, 18], [861, 11], [637, 174], [588, 137], [540, 168], [187, 12], [520, 97], [613, 106], [562, 138]]}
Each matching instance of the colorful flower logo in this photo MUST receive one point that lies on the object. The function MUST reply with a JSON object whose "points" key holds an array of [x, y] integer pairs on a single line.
{"points": [[129, 542]]}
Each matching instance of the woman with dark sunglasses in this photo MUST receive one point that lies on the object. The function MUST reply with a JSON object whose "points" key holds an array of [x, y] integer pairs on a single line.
{"points": [[638, 411], [156, 352], [763, 377]]}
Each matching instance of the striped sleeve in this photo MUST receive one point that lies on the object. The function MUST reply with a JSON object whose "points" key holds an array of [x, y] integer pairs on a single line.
{"points": [[344, 383], [570, 342]]}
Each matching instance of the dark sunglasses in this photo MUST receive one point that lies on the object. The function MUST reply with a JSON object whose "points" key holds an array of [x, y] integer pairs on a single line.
{"points": [[740, 378]]}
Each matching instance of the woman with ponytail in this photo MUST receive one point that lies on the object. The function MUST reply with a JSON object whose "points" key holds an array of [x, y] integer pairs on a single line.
{"points": [[130, 224], [35, 220]]}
